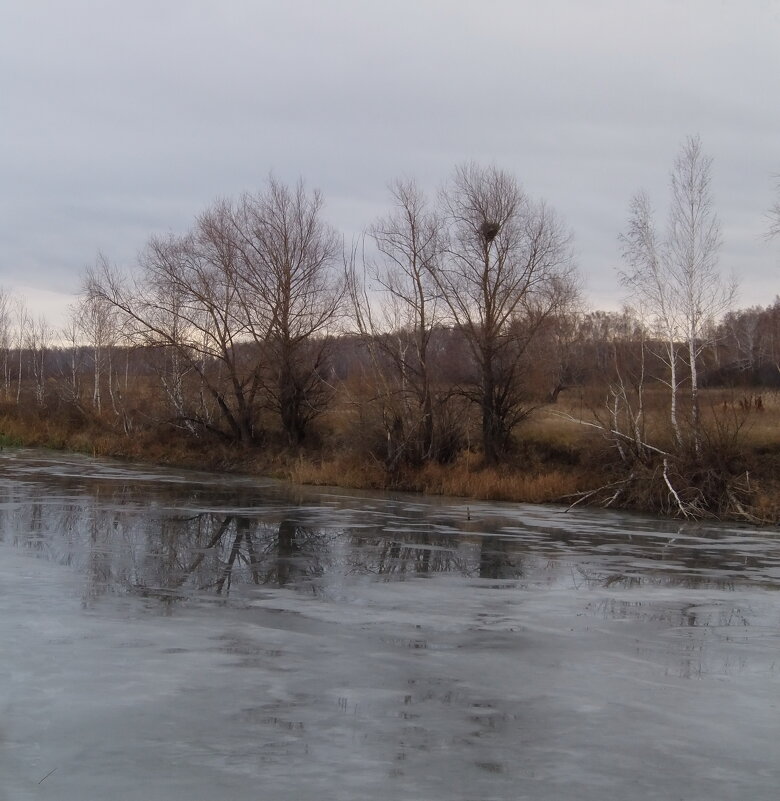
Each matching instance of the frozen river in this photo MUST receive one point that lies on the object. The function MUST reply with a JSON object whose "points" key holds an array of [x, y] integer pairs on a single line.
{"points": [[171, 635]]}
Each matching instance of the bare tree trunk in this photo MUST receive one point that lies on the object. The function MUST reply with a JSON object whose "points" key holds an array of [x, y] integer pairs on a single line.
{"points": [[97, 359], [21, 335], [695, 415], [111, 390], [673, 386], [490, 422]]}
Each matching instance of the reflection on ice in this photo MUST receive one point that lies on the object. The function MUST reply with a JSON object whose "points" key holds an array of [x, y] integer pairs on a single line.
{"points": [[338, 645]]}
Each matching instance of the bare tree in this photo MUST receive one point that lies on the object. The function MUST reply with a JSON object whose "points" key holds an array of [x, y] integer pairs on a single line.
{"points": [[677, 287], [6, 336], [23, 322], [503, 256], [244, 302], [291, 296], [38, 342], [694, 242], [97, 321], [186, 301], [72, 337], [397, 316], [647, 280], [677, 280]]}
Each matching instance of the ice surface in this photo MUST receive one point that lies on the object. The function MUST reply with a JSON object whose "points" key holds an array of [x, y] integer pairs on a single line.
{"points": [[175, 635]]}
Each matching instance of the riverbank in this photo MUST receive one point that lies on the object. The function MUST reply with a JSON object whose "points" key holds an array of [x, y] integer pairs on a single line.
{"points": [[555, 461], [550, 464], [466, 477]]}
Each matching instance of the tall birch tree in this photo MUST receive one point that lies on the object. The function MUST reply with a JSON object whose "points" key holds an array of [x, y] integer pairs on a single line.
{"points": [[677, 280]]}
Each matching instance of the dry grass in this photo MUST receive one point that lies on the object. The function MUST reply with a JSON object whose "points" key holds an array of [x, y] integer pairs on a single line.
{"points": [[466, 478], [343, 470], [762, 428], [59, 433], [555, 459]]}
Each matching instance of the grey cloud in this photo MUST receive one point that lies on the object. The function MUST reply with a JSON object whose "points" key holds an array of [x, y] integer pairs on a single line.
{"points": [[124, 119]]}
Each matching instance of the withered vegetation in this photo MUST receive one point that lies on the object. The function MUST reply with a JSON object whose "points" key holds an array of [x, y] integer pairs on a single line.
{"points": [[447, 352]]}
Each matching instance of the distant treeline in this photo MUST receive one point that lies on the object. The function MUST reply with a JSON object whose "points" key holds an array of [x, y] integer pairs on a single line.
{"points": [[582, 350]]}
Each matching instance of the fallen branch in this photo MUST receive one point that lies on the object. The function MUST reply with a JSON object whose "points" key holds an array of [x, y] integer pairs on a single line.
{"points": [[606, 430], [588, 494], [673, 491]]}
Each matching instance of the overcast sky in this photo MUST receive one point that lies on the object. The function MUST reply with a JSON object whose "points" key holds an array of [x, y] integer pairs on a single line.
{"points": [[121, 119]]}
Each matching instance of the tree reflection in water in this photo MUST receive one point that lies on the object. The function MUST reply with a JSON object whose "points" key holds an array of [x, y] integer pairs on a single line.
{"points": [[498, 560], [406, 554], [176, 540], [208, 552]]}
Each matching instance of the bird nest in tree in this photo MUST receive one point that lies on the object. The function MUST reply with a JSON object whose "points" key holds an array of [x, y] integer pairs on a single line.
{"points": [[489, 230]]}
